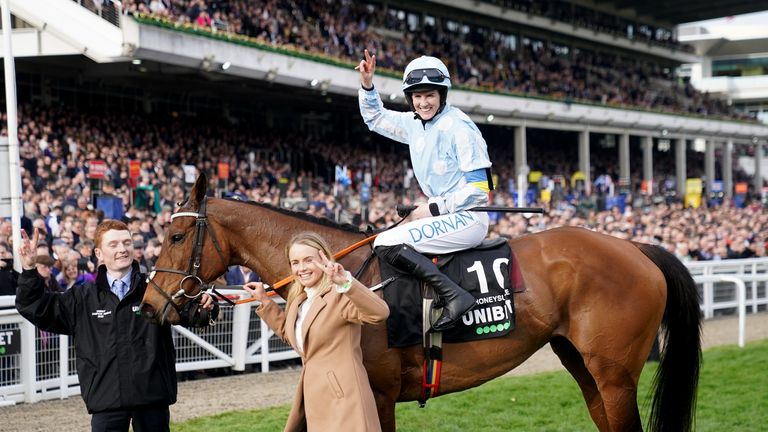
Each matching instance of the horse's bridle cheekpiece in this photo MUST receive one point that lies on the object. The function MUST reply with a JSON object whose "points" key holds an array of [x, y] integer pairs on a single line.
{"points": [[201, 227]]}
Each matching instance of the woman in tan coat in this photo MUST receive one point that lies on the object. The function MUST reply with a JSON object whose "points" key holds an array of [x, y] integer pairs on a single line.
{"points": [[323, 316]]}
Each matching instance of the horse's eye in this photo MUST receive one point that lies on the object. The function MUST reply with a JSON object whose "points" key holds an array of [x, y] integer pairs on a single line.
{"points": [[177, 238]]}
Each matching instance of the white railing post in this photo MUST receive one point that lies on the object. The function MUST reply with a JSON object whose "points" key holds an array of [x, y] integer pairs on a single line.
{"points": [[63, 366], [266, 333], [240, 323], [741, 293], [28, 360], [740, 298], [708, 295], [754, 288]]}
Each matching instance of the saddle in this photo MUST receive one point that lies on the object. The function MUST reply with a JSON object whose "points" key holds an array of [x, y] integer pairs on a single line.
{"points": [[489, 272]]}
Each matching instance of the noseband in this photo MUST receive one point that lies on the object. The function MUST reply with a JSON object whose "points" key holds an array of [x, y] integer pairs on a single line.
{"points": [[201, 227]]}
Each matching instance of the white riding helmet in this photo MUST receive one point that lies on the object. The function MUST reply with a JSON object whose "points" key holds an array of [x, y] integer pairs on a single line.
{"points": [[426, 70]]}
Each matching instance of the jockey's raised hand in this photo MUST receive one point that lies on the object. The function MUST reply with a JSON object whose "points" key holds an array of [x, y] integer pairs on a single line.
{"points": [[367, 67]]}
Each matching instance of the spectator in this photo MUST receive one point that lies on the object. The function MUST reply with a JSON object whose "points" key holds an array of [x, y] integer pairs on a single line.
{"points": [[44, 265], [152, 251], [125, 363], [85, 249], [8, 275], [138, 253], [240, 275], [71, 275]]}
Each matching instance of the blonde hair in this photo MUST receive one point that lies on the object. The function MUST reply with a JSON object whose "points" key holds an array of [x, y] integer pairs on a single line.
{"points": [[313, 240]]}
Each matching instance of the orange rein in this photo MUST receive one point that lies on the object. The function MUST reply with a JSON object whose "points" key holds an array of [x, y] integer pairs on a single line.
{"points": [[285, 281]]}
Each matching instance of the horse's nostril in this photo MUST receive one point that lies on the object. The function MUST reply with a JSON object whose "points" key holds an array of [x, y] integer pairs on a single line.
{"points": [[147, 310]]}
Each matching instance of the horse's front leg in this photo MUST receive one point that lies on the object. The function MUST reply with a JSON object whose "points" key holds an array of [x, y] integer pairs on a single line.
{"points": [[386, 383], [385, 405]]}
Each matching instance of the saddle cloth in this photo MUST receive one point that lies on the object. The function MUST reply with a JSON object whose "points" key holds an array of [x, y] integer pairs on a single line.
{"points": [[489, 272]]}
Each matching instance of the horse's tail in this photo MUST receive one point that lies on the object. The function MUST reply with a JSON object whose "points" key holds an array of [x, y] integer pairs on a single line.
{"points": [[677, 377]]}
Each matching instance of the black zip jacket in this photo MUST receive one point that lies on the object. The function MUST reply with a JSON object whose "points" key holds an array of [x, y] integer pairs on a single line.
{"points": [[123, 360]]}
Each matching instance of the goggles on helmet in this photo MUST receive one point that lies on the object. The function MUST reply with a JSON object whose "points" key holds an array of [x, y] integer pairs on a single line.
{"points": [[418, 75]]}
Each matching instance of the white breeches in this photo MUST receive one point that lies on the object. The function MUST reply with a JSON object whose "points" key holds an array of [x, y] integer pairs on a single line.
{"points": [[439, 234]]}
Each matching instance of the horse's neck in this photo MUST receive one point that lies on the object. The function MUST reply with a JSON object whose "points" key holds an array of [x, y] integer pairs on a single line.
{"points": [[259, 237]]}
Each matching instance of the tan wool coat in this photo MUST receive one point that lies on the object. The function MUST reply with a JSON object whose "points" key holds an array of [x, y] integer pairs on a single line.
{"points": [[333, 392]]}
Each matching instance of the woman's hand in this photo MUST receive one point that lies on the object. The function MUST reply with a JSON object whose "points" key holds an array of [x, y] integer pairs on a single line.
{"points": [[334, 270], [257, 291], [367, 67]]}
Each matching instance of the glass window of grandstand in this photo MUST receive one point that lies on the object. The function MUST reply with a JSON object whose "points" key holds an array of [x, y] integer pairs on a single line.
{"points": [[740, 67]]}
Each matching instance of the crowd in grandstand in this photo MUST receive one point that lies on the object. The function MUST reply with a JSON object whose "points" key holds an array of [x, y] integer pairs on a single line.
{"points": [[477, 56], [593, 19], [286, 169]]}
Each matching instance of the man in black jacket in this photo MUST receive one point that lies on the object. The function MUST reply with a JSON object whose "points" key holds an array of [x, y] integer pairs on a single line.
{"points": [[126, 364], [7, 275]]}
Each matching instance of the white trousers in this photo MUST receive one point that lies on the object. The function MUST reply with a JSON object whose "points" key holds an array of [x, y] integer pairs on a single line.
{"points": [[439, 234]]}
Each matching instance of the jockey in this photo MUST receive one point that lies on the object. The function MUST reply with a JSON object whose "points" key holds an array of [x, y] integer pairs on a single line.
{"points": [[450, 161]]}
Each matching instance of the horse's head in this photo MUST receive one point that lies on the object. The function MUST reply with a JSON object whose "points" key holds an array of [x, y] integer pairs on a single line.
{"points": [[192, 257]]}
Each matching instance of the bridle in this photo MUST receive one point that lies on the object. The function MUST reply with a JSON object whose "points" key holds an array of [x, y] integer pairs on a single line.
{"points": [[201, 227]]}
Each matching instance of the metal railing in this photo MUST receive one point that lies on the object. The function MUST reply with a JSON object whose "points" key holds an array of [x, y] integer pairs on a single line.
{"points": [[44, 366], [740, 298], [719, 297], [109, 10]]}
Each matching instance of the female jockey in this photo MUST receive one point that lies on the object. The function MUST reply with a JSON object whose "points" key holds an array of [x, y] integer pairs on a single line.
{"points": [[450, 161]]}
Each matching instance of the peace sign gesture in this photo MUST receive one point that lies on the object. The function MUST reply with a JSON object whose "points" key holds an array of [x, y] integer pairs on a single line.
{"points": [[366, 67], [28, 250], [334, 270]]}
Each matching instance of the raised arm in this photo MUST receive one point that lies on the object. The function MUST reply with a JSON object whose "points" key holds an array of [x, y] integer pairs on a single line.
{"points": [[367, 68], [391, 124], [54, 312], [363, 306]]}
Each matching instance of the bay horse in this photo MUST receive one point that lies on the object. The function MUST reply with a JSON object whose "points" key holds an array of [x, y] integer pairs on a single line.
{"points": [[597, 300]]}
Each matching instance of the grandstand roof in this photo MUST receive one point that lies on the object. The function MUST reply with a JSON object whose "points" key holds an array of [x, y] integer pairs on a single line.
{"points": [[683, 11]]}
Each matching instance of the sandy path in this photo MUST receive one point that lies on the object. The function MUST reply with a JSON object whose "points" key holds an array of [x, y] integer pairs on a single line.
{"points": [[250, 391]]}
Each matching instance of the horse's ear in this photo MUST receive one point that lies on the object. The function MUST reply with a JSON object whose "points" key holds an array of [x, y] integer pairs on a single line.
{"points": [[199, 190]]}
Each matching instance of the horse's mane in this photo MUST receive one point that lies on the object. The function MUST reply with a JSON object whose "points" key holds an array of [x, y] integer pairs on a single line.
{"points": [[301, 215]]}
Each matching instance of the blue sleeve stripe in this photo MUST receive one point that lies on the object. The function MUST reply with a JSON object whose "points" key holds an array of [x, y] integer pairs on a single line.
{"points": [[478, 178], [478, 175]]}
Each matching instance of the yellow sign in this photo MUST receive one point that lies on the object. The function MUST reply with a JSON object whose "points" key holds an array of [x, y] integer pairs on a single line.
{"points": [[692, 200], [693, 189], [534, 176], [693, 185]]}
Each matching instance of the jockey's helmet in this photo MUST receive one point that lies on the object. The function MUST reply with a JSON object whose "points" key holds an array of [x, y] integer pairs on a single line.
{"points": [[423, 74]]}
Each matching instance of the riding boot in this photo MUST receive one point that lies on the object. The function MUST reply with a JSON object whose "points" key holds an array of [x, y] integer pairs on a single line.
{"points": [[455, 299]]}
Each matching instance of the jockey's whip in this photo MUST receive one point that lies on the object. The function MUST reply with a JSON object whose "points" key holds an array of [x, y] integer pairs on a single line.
{"points": [[404, 210]]}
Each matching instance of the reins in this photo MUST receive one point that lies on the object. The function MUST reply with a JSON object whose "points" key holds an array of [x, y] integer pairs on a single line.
{"points": [[271, 290], [202, 226]]}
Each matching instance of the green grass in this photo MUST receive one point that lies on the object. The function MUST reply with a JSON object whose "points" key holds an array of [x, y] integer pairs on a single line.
{"points": [[733, 396]]}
